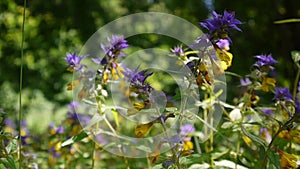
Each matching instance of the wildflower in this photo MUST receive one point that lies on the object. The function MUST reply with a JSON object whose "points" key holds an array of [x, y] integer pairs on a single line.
{"points": [[186, 129], [137, 81], [265, 60], [220, 25], [73, 105], [287, 160], [178, 51], [223, 44], [25, 133], [60, 130], [265, 134], [110, 60], [142, 130], [245, 82], [9, 126], [225, 58], [283, 94], [267, 82], [168, 163], [74, 62], [116, 44]]}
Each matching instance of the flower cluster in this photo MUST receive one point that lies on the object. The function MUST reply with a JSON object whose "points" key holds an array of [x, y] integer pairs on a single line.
{"points": [[110, 61], [219, 27], [74, 62], [139, 90]]}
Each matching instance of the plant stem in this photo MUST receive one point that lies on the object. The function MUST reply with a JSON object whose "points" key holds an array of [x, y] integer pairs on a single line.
{"points": [[93, 155], [21, 85], [274, 138], [149, 163], [237, 150]]}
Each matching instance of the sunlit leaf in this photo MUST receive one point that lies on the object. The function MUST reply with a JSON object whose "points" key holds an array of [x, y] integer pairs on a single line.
{"points": [[287, 21], [74, 139], [296, 57], [253, 137]]}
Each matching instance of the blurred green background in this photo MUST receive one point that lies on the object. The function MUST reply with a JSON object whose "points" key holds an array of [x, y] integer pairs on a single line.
{"points": [[59, 26]]}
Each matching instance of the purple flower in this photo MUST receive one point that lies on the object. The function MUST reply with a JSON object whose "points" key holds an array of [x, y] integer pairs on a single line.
{"points": [[74, 61], [283, 94], [73, 105], [116, 44], [9, 123], [221, 23], [264, 60], [186, 129], [267, 111], [266, 134], [60, 130], [137, 80], [1, 110], [178, 51], [245, 82], [223, 44]]}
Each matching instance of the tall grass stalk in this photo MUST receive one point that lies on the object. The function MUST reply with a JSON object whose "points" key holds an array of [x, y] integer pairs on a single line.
{"points": [[20, 113]]}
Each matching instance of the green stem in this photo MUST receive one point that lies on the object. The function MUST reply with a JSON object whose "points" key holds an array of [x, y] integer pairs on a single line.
{"points": [[274, 138], [93, 155], [21, 85], [296, 84], [237, 150], [149, 163]]}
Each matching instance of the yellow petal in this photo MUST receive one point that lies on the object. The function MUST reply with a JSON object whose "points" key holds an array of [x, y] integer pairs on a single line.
{"points": [[142, 130], [187, 145], [287, 160], [72, 85], [225, 58], [139, 105]]}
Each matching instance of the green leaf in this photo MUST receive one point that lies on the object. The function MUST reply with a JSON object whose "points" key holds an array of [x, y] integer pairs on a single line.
{"points": [[74, 139], [296, 57], [11, 162], [116, 117], [253, 137], [274, 158], [12, 146], [287, 21], [195, 158], [2, 165]]}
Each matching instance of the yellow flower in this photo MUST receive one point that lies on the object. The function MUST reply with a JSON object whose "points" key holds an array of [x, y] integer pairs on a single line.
{"points": [[295, 135], [137, 106], [284, 134], [266, 83], [142, 130], [247, 140], [187, 145], [225, 58], [287, 161]]}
